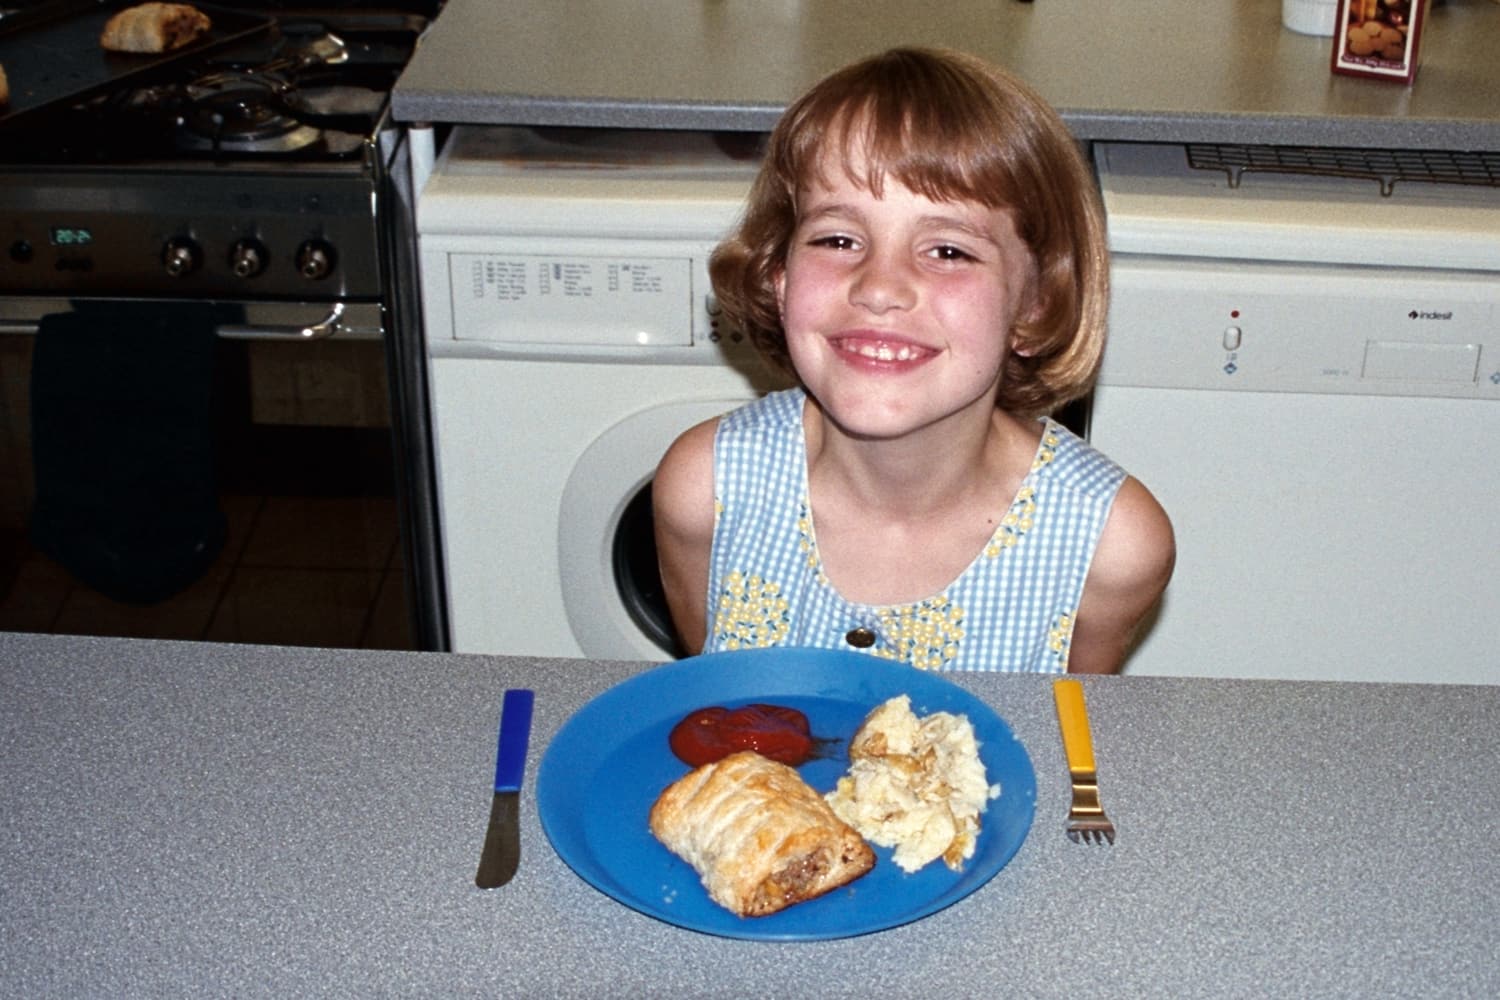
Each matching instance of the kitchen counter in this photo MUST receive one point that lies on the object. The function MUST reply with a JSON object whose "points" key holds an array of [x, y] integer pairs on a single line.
{"points": [[1151, 70], [186, 819]]}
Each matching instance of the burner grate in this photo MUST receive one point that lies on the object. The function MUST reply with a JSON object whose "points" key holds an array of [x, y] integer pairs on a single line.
{"points": [[1384, 166], [234, 111]]}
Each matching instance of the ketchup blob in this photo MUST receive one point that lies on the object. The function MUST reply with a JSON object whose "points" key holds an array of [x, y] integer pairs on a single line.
{"points": [[773, 731]]}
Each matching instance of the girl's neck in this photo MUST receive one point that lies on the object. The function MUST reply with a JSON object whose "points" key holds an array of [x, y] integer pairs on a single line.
{"points": [[947, 465], [897, 521]]}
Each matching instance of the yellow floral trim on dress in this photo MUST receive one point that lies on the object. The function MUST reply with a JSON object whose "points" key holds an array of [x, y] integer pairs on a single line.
{"points": [[1015, 524], [1019, 518], [751, 613], [1060, 638], [1047, 451], [926, 634], [805, 539]]}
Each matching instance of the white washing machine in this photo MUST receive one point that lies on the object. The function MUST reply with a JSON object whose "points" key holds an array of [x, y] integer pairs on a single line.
{"points": [[571, 336]]}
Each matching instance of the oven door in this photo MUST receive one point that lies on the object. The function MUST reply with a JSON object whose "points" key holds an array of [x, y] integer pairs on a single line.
{"points": [[199, 470]]}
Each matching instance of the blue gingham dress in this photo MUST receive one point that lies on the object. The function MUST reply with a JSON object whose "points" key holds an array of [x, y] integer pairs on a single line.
{"points": [[1012, 609]]}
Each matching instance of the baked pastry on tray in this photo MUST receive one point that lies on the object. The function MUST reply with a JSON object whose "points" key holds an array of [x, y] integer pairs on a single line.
{"points": [[758, 836], [154, 27]]}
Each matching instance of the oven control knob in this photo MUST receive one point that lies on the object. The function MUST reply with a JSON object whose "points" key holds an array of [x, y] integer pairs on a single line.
{"points": [[247, 258], [314, 260], [181, 256]]}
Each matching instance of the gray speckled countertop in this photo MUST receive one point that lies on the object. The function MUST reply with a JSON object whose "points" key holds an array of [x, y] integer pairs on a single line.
{"points": [[185, 819], [1153, 70]]}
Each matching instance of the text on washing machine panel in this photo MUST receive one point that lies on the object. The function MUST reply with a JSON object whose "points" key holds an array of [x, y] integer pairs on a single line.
{"points": [[595, 301]]}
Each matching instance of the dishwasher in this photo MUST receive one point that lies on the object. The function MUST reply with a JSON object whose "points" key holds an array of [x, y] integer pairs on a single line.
{"points": [[1304, 368]]}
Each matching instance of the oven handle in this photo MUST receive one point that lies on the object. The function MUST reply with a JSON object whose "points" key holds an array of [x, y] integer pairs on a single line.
{"points": [[335, 323], [326, 327]]}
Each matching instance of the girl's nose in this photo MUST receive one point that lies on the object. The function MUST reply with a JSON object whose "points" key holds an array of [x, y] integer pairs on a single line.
{"points": [[883, 282]]}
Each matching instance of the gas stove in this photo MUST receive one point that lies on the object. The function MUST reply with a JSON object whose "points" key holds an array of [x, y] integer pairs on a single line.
{"points": [[253, 182], [249, 171]]}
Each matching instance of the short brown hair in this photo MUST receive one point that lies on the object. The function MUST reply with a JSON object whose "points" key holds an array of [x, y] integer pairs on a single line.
{"points": [[950, 127]]}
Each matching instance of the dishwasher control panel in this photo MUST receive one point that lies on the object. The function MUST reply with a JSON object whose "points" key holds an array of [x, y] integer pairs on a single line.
{"points": [[1236, 325]]}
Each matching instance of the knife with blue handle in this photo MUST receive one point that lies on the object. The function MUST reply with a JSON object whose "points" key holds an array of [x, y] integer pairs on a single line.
{"points": [[502, 841]]}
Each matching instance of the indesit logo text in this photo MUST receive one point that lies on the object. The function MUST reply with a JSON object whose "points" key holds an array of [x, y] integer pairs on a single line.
{"points": [[1429, 314]]}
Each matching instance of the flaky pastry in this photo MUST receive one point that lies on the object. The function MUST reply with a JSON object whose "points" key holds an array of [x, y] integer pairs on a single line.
{"points": [[758, 836]]}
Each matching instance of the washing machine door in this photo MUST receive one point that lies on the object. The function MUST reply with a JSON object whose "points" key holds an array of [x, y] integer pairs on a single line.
{"points": [[612, 589]]}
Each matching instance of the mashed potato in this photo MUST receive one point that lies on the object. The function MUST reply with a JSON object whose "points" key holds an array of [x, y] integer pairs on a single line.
{"points": [[917, 785]]}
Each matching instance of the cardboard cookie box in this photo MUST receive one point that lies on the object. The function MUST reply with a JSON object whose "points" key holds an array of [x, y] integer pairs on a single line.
{"points": [[1378, 38]]}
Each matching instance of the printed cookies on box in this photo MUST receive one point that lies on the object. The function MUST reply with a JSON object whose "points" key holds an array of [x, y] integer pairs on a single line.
{"points": [[1378, 38]]}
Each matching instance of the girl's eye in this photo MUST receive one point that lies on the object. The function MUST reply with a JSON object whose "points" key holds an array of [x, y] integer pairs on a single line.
{"points": [[950, 252], [834, 242]]}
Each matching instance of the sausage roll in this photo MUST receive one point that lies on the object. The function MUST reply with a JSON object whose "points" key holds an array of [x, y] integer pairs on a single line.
{"points": [[758, 836], [154, 27]]}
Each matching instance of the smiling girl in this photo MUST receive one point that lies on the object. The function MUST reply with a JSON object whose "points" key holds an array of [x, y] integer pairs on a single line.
{"points": [[924, 251]]}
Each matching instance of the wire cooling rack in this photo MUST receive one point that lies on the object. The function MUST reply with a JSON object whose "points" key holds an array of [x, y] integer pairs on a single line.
{"points": [[1385, 166]]}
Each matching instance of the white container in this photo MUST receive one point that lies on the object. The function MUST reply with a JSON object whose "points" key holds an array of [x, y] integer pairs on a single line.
{"points": [[1310, 17]]}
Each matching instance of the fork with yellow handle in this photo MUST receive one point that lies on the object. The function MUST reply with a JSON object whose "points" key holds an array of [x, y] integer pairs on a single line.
{"points": [[1086, 821]]}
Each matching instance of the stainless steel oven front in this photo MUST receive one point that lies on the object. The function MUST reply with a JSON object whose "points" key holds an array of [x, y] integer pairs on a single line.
{"points": [[206, 406]]}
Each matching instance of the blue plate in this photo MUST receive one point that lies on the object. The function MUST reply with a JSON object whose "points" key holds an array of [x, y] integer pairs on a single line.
{"points": [[606, 766]]}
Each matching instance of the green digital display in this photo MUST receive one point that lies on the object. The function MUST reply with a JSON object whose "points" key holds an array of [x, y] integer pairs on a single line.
{"points": [[71, 236]]}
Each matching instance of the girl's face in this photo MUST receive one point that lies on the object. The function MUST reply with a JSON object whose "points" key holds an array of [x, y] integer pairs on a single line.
{"points": [[898, 309]]}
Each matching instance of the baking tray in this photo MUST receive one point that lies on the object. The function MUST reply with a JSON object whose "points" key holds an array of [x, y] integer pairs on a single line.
{"points": [[51, 52]]}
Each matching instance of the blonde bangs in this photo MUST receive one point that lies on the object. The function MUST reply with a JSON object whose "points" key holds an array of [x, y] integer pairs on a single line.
{"points": [[955, 149]]}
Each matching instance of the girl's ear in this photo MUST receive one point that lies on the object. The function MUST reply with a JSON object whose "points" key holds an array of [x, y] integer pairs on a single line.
{"points": [[1022, 330], [1019, 344]]}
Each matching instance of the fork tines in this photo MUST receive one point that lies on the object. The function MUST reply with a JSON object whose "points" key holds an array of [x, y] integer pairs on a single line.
{"points": [[1086, 823]]}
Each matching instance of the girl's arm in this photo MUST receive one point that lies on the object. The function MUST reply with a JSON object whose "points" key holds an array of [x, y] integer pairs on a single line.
{"points": [[682, 500], [1132, 564]]}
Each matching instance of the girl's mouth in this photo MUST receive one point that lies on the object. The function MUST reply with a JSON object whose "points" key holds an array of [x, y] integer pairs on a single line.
{"points": [[877, 349]]}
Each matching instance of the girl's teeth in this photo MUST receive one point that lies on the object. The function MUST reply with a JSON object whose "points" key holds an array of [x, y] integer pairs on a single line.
{"points": [[884, 352]]}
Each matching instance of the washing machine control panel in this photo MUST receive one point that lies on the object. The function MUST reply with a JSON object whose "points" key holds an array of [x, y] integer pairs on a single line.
{"points": [[617, 301], [586, 245], [644, 301]]}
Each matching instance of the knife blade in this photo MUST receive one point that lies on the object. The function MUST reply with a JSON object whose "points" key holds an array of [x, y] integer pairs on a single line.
{"points": [[502, 839]]}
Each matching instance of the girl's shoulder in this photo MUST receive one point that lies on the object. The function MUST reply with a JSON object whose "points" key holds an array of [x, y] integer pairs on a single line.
{"points": [[682, 489], [776, 409], [1065, 460]]}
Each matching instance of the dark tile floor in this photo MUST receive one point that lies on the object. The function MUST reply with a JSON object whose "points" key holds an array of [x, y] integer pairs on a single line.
{"points": [[300, 571]]}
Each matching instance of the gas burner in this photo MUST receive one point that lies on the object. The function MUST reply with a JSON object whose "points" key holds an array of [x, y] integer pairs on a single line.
{"points": [[243, 113]]}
